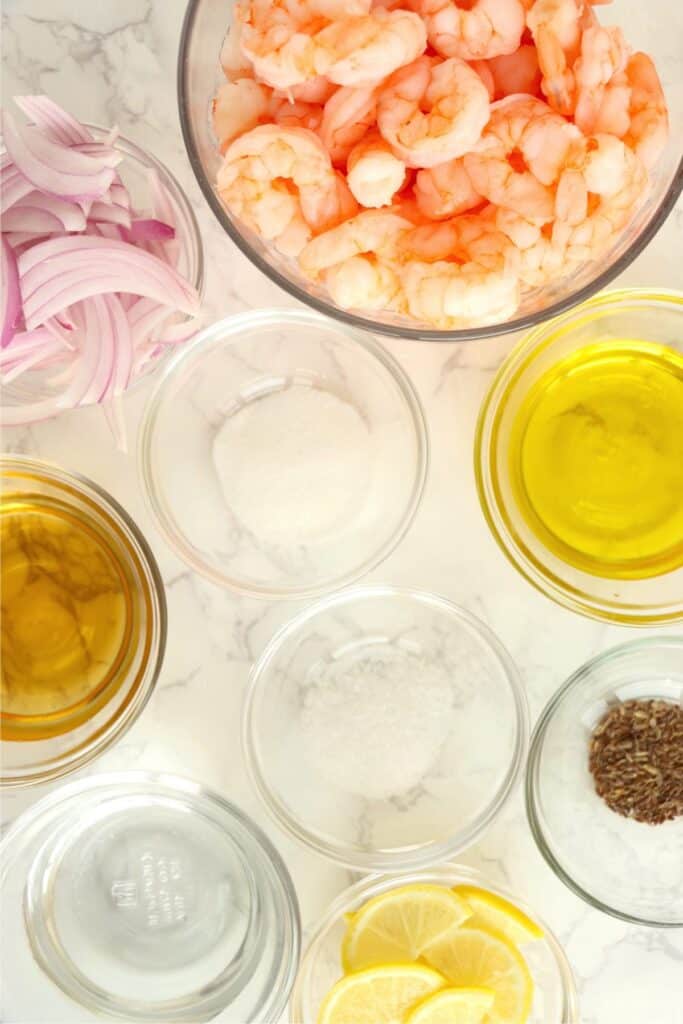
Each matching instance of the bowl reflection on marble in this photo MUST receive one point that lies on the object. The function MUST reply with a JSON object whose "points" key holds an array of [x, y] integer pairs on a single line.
{"points": [[385, 728], [282, 454], [624, 867], [554, 1001], [199, 75]]}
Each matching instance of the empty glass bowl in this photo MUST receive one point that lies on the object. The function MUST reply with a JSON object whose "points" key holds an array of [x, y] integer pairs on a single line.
{"points": [[554, 1000], [385, 728], [199, 75], [51, 729], [282, 454], [627, 868], [144, 897], [648, 316]]}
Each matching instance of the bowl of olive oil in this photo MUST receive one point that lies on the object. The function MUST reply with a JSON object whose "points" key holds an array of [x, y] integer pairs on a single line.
{"points": [[579, 457], [83, 621]]}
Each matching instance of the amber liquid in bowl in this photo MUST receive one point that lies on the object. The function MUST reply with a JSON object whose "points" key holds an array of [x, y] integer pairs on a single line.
{"points": [[70, 616]]}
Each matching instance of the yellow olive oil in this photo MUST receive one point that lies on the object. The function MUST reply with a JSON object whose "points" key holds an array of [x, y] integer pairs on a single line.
{"points": [[68, 617], [596, 459]]}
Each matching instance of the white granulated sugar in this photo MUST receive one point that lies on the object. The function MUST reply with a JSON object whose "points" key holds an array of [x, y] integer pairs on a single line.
{"points": [[374, 727], [294, 464]]}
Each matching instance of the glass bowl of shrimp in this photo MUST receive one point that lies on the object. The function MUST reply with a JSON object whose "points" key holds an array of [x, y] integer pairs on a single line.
{"points": [[439, 170]]}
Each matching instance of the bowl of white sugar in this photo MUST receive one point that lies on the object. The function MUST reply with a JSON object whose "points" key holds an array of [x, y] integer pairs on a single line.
{"points": [[385, 728], [283, 455]]}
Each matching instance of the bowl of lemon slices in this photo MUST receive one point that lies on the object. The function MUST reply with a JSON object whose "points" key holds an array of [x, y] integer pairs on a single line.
{"points": [[434, 946]]}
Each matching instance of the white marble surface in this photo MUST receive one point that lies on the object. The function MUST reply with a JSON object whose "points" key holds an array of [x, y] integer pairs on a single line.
{"points": [[114, 61]]}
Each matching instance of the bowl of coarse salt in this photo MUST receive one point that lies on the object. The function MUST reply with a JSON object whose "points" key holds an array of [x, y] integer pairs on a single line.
{"points": [[385, 728], [282, 454]]}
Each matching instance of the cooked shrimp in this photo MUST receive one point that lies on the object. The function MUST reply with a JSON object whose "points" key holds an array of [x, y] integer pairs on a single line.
{"points": [[516, 73], [596, 195], [521, 154], [445, 190], [476, 31], [233, 62], [315, 90], [370, 231], [484, 71], [362, 51], [296, 114], [432, 111], [374, 174], [277, 37], [237, 108], [648, 130], [450, 294], [457, 272], [556, 29], [604, 53], [347, 116], [272, 175], [331, 204], [363, 282]]}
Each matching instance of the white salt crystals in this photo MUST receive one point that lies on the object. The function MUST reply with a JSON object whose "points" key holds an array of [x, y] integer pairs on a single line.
{"points": [[374, 727], [293, 464]]}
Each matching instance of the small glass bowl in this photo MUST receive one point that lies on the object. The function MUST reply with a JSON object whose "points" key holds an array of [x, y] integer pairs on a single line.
{"points": [[199, 75], [144, 897], [59, 743], [555, 1000], [651, 316], [34, 385], [320, 444], [385, 728], [626, 868]]}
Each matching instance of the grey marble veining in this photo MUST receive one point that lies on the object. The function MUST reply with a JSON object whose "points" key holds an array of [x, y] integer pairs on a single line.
{"points": [[113, 61]]}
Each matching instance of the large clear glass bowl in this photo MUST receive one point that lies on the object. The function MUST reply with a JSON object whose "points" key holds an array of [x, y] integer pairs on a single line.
{"points": [[626, 868], [199, 74], [649, 316], [56, 745], [385, 728], [554, 1002]]}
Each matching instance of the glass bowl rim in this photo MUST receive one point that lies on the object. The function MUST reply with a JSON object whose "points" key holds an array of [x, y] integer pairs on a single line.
{"points": [[90, 749], [328, 308], [227, 331], [193, 791], [522, 354], [375, 861], [373, 884], [533, 769]]}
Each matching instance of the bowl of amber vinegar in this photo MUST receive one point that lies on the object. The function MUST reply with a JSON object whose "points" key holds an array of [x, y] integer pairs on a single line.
{"points": [[579, 457], [83, 621]]}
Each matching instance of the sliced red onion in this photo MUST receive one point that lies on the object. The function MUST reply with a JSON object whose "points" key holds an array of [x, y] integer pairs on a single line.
{"points": [[30, 219], [13, 187], [56, 123], [110, 213], [56, 273], [39, 355], [93, 305], [69, 215], [11, 296], [54, 169], [148, 229]]}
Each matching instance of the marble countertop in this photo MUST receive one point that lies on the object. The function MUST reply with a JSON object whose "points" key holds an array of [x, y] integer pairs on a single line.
{"points": [[113, 61]]}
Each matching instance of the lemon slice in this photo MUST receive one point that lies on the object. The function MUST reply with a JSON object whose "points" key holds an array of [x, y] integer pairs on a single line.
{"points": [[379, 995], [453, 1006], [397, 926], [474, 957], [498, 914]]}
